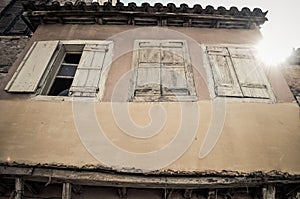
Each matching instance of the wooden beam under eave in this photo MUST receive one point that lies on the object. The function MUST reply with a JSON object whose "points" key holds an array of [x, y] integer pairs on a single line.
{"points": [[19, 187], [67, 191], [268, 192]]}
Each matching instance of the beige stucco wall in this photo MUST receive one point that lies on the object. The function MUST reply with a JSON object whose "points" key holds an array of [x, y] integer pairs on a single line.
{"points": [[254, 137]]}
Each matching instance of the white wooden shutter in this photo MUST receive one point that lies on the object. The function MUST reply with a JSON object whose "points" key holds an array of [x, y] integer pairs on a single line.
{"points": [[32, 68], [148, 81], [172, 53], [225, 81], [251, 76], [174, 81], [148, 69], [86, 80], [173, 74], [161, 70]]}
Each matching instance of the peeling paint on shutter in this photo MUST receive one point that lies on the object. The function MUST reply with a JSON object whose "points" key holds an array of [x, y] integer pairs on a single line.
{"points": [[160, 71], [32, 68], [225, 81], [174, 81], [148, 69], [87, 77], [172, 54], [149, 57], [148, 81], [251, 77]]}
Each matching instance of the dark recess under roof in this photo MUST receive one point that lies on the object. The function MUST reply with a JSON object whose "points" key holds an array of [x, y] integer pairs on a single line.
{"points": [[146, 15]]}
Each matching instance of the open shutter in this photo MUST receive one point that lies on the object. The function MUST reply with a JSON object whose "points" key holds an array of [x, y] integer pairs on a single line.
{"points": [[32, 68], [251, 76], [88, 74], [224, 77]]}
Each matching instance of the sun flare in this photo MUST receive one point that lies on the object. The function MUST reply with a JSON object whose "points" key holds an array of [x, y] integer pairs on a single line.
{"points": [[272, 52]]}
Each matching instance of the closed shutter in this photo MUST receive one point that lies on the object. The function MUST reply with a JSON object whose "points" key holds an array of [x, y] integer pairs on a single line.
{"points": [[161, 72], [224, 77], [148, 81], [172, 54], [86, 80], [148, 70], [174, 81], [250, 74], [173, 74], [33, 67]]}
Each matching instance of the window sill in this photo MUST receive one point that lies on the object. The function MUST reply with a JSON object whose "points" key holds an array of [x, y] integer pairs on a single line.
{"points": [[62, 98]]}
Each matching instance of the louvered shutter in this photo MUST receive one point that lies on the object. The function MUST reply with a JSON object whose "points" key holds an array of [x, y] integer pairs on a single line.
{"points": [[225, 82], [86, 80], [33, 67], [250, 74]]}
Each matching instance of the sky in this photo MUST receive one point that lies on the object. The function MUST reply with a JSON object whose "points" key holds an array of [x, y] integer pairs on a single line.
{"points": [[281, 33]]}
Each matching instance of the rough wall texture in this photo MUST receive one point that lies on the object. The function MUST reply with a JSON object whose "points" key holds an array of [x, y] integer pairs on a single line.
{"points": [[292, 76], [10, 48], [291, 73]]}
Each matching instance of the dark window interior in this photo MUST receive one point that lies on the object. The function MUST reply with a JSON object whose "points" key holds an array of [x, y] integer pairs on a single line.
{"points": [[65, 75], [72, 58], [61, 87], [67, 70]]}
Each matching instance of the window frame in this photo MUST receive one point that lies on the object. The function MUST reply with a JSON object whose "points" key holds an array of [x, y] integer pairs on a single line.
{"points": [[54, 69], [46, 81], [189, 77], [211, 80]]}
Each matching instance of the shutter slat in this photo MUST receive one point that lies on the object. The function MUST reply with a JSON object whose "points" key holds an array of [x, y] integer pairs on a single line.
{"points": [[89, 70], [250, 74], [31, 70]]}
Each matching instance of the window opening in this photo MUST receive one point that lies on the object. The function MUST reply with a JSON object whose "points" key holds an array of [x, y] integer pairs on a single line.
{"points": [[65, 75]]}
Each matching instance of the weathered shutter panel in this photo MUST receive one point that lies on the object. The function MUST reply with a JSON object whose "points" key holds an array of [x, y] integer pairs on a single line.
{"points": [[251, 76], [161, 70], [225, 80], [148, 70], [32, 68], [172, 53], [174, 81], [149, 57], [148, 81], [86, 79], [173, 76]]}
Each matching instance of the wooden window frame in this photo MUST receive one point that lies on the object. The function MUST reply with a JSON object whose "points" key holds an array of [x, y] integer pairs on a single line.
{"points": [[152, 97], [49, 74], [211, 77]]}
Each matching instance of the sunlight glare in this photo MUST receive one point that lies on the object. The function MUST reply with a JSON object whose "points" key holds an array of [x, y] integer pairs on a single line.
{"points": [[272, 53]]}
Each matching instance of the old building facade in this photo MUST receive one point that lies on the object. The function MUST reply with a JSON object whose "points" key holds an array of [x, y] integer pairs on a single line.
{"points": [[115, 101]]}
